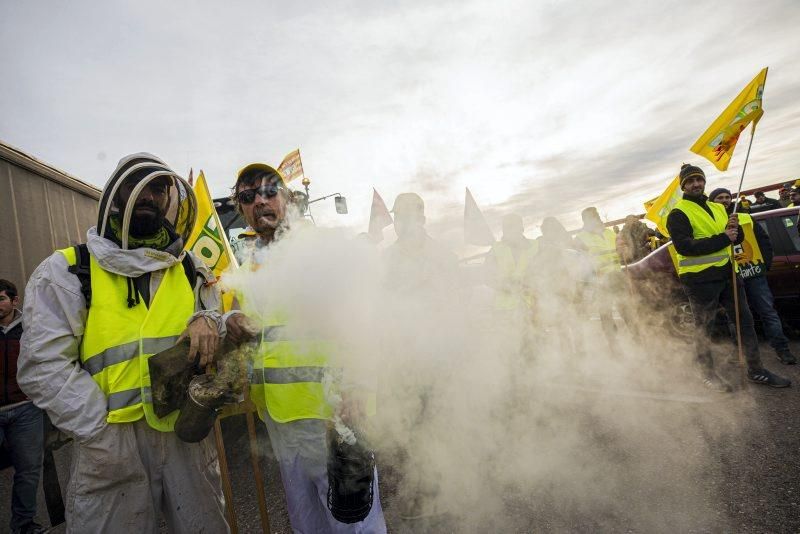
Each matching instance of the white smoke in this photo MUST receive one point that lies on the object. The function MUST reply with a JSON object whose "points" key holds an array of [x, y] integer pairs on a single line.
{"points": [[504, 422]]}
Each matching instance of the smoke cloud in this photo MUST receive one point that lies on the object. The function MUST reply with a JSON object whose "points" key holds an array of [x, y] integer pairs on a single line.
{"points": [[501, 421]]}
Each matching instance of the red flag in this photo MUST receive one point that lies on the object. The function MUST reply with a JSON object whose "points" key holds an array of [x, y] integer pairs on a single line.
{"points": [[379, 217], [476, 229], [191, 178]]}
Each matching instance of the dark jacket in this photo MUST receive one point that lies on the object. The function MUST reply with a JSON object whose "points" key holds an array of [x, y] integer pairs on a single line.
{"points": [[769, 204], [682, 234], [762, 237], [9, 353]]}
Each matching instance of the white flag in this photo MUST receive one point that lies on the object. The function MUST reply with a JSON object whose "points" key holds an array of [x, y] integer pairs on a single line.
{"points": [[379, 217], [476, 229]]}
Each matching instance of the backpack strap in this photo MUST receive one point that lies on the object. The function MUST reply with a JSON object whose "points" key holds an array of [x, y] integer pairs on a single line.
{"points": [[191, 275], [81, 268], [189, 270]]}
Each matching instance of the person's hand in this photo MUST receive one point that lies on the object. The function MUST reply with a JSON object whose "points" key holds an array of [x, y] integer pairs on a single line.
{"points": [[203, 340], [732, 233], [240, 328], [733, 221], [352, 409]]}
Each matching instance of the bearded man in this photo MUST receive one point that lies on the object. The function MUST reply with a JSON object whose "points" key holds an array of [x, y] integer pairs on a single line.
{"points": [[93, 316]]}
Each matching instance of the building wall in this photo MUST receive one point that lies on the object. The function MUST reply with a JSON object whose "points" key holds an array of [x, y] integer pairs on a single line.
{"points": [[41, 209]]}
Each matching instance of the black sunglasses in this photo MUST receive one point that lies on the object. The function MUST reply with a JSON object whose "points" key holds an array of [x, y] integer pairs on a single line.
{"points": [[248, 196]]}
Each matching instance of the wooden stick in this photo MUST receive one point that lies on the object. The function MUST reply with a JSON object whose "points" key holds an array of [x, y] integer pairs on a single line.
{"points": [[226, 478], [261, 494], [742, 363]]}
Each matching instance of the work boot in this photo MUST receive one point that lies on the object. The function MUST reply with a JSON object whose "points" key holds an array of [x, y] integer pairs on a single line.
{"points": [[786, 357], [713, 382], [766, 378]]}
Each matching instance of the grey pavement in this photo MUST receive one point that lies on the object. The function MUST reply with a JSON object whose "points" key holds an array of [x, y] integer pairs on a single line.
{"points": [[751, 485]]}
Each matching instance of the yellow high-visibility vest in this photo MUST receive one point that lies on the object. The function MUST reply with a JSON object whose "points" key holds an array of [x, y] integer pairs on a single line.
{"points": [[118, 340], [287, 374], [704, 225], [510, 291], [287, 377], [602, 248]]}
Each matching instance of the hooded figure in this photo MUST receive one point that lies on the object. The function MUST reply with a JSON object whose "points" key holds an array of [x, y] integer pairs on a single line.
{"points": [[93, 315]]}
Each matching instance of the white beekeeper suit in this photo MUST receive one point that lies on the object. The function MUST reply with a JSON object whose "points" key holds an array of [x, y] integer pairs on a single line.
{"points": [[124, 475]]}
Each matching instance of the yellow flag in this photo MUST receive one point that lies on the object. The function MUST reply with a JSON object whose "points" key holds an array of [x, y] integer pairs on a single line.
{"points": [[718, 142], [658, 209], [291, 167], [208, 240]]}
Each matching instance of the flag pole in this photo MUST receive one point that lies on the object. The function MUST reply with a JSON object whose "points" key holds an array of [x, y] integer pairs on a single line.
{"points": [[734, 285]]}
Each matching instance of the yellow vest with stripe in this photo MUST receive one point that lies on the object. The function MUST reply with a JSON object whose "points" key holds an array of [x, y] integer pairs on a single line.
{"points": [[602, 248], [703, 226], [118, 341], [287, 373], [510, 274], [287, 377]]}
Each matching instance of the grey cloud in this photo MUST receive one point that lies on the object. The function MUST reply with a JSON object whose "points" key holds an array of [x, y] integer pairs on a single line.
{"points": [[445, 88]]}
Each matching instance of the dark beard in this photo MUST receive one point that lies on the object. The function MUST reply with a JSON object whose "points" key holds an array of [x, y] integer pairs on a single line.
{"points": [[146, 225]]}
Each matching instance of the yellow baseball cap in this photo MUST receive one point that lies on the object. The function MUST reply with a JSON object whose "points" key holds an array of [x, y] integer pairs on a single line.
{"points": [[260, 167]]}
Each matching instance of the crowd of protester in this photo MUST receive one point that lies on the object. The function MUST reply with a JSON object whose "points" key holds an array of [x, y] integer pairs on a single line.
{"points": [[701, 226]]}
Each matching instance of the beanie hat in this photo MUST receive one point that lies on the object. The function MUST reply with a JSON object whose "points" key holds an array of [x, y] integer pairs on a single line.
{"points": [[716, 192], [689, 171]]}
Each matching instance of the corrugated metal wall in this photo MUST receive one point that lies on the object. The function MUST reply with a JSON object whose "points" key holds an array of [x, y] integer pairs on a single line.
{"points": [[42, 209]]}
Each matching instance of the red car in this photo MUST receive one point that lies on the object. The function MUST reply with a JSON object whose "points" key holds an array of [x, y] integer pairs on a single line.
{"points": [[656, 280]]}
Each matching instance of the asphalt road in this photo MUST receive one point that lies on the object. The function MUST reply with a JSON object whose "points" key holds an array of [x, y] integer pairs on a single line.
{"points": [[750, 482]]}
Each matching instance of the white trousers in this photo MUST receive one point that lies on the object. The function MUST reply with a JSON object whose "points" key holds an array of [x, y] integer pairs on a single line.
{"points": [[124, 478], [302, 453]]}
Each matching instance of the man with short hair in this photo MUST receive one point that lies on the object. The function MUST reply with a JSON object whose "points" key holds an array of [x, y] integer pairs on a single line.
{"points": [[94, 314], [21, 423], [509, 264], [753, 259], [764, 203], [600, 243], [702, 233], [287, 384], [423, 276], [794, 197]]}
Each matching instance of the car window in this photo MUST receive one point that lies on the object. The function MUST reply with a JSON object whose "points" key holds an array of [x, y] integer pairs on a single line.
{"points": [[789, 223]]}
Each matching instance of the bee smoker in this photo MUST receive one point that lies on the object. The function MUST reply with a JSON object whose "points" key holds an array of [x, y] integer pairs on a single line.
{"points": [[351, 478], [204, 397]]}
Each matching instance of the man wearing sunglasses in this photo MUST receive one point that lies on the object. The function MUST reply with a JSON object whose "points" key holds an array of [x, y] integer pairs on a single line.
{"points": [[286, 386]]}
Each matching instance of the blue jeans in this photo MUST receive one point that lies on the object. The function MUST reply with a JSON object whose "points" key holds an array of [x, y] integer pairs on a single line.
{"points": [[22, 433], [760, 298]]}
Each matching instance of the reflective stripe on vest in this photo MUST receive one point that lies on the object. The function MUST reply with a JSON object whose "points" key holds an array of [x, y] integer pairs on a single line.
{"points": [[703, 226], [288, 373], [287, 378], [117, 340], [602, 248], [127, 351], [510, 274]]}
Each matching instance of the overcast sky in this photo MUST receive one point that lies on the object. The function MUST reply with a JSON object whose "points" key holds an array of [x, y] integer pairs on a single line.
{"points": [[542, 108]]}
